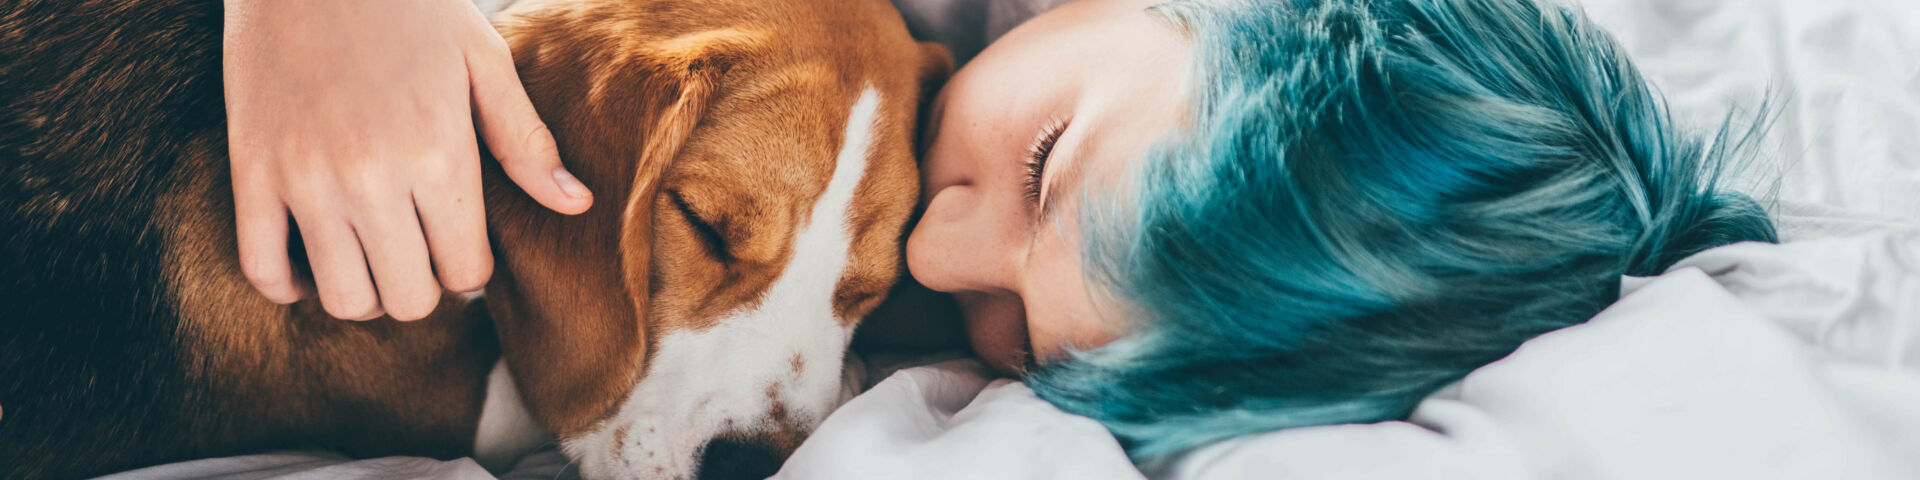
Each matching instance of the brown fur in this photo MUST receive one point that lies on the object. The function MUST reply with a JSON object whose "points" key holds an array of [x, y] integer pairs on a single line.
{"points": [[361, 387], [732, 105], [716, 63], [114, 149]]}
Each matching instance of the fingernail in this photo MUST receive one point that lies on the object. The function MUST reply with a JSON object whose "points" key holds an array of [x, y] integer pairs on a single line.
{"points": [[571, 186]]}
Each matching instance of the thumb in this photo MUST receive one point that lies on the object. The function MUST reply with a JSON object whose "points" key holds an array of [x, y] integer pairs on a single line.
{"points": [[517, 137]]}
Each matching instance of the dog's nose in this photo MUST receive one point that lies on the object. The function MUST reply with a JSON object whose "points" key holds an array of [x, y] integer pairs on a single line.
{"points": [[731, 459]]}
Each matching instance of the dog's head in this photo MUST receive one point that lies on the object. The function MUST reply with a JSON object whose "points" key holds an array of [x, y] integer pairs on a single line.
{"points": [[753, 169]]}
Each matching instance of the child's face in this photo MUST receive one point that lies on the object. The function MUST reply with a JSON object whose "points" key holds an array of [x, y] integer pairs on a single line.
{"points": [[1114, 77]]}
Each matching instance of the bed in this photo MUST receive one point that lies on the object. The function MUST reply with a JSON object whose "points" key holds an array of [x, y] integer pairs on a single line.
{"points": [[1799, 360]]}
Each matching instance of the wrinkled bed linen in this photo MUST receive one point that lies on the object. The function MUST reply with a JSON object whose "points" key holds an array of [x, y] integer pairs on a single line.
{"points": [[1750, 361], [1843, 75]]}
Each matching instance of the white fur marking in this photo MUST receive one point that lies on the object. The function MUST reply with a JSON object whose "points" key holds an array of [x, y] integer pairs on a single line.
{"points": [[704, 383], [507, 430]]}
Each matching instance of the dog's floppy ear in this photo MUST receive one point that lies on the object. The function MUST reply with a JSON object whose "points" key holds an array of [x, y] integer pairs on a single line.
{"points": [[662, 144], [936, 64], [570, 293]]}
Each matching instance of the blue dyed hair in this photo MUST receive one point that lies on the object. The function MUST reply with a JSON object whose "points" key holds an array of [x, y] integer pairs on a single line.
{"points": [[1373, 198]]}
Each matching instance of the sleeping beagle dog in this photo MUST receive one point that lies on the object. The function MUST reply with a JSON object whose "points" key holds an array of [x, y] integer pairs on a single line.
{"points": [[754, 162]]}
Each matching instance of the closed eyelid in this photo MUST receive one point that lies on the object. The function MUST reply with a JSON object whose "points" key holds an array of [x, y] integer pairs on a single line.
{"points": [[1039, 156], [1065, 170], [1071, 168], [710, 233]]}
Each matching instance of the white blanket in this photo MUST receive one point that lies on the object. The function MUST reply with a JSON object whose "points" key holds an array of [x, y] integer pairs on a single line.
{"points": [[1845, 75], [1750, 361]]}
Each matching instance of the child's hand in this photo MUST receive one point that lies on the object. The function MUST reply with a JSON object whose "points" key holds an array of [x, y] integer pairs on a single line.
{"points": [[358, 118]]}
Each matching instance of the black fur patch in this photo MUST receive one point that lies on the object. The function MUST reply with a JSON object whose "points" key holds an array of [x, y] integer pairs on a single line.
{"points": [[98, 98]]}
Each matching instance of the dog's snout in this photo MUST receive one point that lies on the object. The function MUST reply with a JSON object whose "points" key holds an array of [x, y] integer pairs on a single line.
{"points": [[729, 458]]}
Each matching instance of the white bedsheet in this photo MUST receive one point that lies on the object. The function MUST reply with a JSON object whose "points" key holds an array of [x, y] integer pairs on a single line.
{"points": [[1752, 361], [1845, 74]]}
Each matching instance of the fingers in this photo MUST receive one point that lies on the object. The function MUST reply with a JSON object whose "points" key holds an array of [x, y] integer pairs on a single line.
{"points": [[454, 219], [262, 222], [378, 162], [516, 135], [379, 265], [397, 256], [340, 270]]}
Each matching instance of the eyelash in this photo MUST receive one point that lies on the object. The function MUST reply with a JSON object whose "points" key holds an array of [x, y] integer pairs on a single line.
{"points": [[1037, 156]]}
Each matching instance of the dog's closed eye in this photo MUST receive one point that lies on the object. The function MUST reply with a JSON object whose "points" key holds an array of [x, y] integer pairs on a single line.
{"points": [[710, 234]]}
